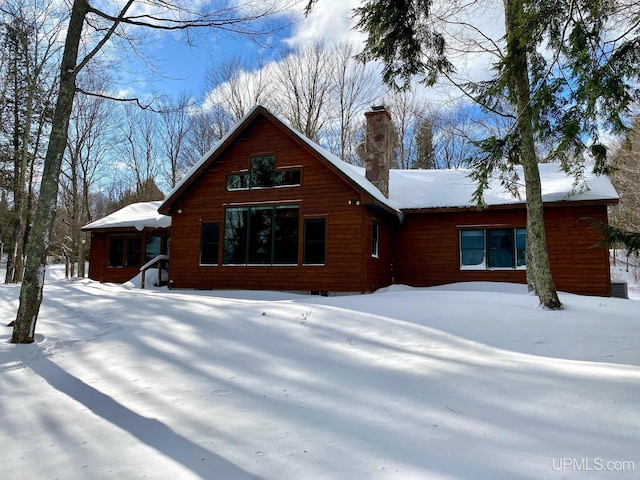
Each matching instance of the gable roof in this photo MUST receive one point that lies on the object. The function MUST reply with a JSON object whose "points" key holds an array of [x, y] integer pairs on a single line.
{"points": [[139, 215], [419, 189], [408, 189], [347, 171]]}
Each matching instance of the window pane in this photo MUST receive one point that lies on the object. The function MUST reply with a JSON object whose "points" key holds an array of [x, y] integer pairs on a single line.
{"points": [[116, 252], [134, 251], [238, 181], [262, 171], [472, 247], [235, 236], [287, 177], [285, 235], [375, 239], [152, 248], [314, 241], [500, 248], [209, 241], [521, 247], [260, 220]]}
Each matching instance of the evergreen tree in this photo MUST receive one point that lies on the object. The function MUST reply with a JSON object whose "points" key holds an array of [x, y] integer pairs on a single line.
{"points": [[566, 69]]}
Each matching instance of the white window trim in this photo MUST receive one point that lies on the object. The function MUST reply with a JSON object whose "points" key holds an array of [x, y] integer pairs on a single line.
{"points": [[483, 266], [375, 233]]}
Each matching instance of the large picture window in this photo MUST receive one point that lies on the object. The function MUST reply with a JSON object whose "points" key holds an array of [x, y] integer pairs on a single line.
{"points": [[492, 248], [261, 235], [263, 174], [314, 252], [209, 243]]}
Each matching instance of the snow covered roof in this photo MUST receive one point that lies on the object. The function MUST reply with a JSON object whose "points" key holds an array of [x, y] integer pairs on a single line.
{"points": [[137, 215], [422, 189], [356, 174]]}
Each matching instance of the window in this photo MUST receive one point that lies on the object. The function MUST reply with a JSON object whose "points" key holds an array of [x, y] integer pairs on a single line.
{"points": [[375, 240], [134, 251], [261, 235], [263, 174], [116, 252], [262, 171], [238, 181], [314, 241], [472, 248], [209, 242], [497, 248], [152, 247]]}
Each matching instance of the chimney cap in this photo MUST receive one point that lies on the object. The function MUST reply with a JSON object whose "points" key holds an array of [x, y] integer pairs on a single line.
{"points": [[378, 108]]}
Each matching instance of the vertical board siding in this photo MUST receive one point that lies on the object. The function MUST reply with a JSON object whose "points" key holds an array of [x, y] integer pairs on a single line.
{"points": [[98, 253]]}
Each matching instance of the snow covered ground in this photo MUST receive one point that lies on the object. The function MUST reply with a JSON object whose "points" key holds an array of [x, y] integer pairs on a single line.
{"points": [[467, 381]]}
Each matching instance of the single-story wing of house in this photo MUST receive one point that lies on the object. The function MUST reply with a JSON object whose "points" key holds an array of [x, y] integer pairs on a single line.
{"points": [[267, 208]]}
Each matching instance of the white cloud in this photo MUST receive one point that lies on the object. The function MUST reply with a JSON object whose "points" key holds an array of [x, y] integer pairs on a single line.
{"points": [[330, 21]]}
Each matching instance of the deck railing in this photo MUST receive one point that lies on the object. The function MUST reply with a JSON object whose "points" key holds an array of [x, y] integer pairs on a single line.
{"points": [[156, 260]]}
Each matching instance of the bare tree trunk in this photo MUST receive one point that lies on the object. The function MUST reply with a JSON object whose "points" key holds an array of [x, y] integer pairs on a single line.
{"points": [[518, 75], [81, 255], [33, 280]]}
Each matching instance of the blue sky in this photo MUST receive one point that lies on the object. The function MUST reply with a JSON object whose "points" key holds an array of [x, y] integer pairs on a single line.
{"points": [[182, 66]]}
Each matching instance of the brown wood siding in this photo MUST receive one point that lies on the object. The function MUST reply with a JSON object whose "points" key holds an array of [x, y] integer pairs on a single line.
{"points": [[379, 271], [321, 193], [428, 248], [97, 255]]}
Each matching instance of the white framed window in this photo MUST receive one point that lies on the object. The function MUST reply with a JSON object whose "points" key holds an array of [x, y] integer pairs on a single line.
{"points": [[493, 248], [375, 240]]}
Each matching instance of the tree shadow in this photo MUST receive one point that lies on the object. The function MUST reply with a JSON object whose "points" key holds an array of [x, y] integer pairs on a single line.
{"points": [[152, 432]]}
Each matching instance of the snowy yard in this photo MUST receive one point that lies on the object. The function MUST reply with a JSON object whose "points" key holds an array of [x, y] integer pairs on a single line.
{"points": [[468, 381]]}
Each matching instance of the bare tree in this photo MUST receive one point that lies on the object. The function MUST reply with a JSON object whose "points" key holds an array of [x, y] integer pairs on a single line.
{"points": [[139, 146], [87, 149], [407, 110], [174, 127], [356, 88], [304, 85], [207, 127], [237, 85], [29, 43], [454, 131], [626, 178], [97, 27]]}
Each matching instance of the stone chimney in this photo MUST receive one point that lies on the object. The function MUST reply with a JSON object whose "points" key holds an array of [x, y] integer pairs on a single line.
{"points": [[378, 147]]}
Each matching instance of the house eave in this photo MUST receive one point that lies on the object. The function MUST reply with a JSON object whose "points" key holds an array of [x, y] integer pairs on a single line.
{"points": [[508, 206]]}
